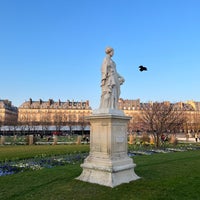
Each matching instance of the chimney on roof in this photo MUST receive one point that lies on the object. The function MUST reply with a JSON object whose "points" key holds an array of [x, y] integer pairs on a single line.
{"points": [[7, 102], [50, 101], [40, 101], [30, 101], [87, 103]]}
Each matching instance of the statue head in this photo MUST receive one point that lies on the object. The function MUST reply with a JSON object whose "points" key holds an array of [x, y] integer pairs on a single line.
{"points": [[109, 50]]}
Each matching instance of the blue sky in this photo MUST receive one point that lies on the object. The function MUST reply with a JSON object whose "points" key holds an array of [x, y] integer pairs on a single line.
{"points": [[54, 49]]}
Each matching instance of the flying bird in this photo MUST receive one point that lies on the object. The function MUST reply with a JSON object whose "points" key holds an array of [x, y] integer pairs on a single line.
{"points": [[142, 68]]}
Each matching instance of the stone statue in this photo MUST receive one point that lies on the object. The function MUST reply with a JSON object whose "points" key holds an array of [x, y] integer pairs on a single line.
{"points": [[110, 82], [108, 163]]}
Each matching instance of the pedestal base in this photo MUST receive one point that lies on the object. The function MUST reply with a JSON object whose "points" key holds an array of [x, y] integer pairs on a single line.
{"points": [[108, 163], [115, 173]]}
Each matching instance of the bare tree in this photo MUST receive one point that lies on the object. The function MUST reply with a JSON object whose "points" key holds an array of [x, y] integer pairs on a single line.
{"points": [[32, 122], [58, 121], [135, 123], [194, 122], [162, 118], [14, 123], [83, 123], [45, 121], [23, 122], [71, 121]]}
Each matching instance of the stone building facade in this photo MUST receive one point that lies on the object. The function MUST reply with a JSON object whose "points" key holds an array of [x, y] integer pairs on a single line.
{"points": [[59, 114], [8, 113], [133, 108], [72, 114]]}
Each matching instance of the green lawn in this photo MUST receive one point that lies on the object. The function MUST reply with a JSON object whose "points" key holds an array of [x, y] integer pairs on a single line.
{"points": [[28, 151], [163, 176]]}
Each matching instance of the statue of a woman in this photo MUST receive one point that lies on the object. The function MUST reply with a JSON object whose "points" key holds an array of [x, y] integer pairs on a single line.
{"points": [[110, 82]]}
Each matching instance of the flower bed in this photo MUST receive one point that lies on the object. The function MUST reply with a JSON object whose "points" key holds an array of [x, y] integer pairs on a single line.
{"points": [[11, 167], [44, 161]]}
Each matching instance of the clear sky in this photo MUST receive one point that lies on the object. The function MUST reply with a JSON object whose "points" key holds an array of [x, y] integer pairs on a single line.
{"points": [[54, 49]]}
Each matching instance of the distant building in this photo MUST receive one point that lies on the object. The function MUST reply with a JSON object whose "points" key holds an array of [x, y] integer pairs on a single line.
{"points": [[8, 113], [69, 115], [133, 108]]}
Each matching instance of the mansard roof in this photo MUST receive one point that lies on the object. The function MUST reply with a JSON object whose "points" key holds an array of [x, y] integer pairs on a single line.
{"points": [[51, 104], [137, 105], [6, 104]]}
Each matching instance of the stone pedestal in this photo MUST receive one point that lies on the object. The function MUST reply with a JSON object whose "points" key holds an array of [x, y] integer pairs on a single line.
{"points": [[30, 139], [78, 140], [55, 139], [2, 139], [108, 163]]}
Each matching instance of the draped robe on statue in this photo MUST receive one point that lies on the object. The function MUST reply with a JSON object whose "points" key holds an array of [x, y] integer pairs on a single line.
{"points": [[110, 84]]}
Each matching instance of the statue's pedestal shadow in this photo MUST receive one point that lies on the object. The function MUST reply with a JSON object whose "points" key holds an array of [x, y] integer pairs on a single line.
{"points": [[108, 163]]}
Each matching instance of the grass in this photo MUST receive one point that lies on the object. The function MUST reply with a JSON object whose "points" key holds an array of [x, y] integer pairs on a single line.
{"points": [[26, 151], [170, 176]]}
